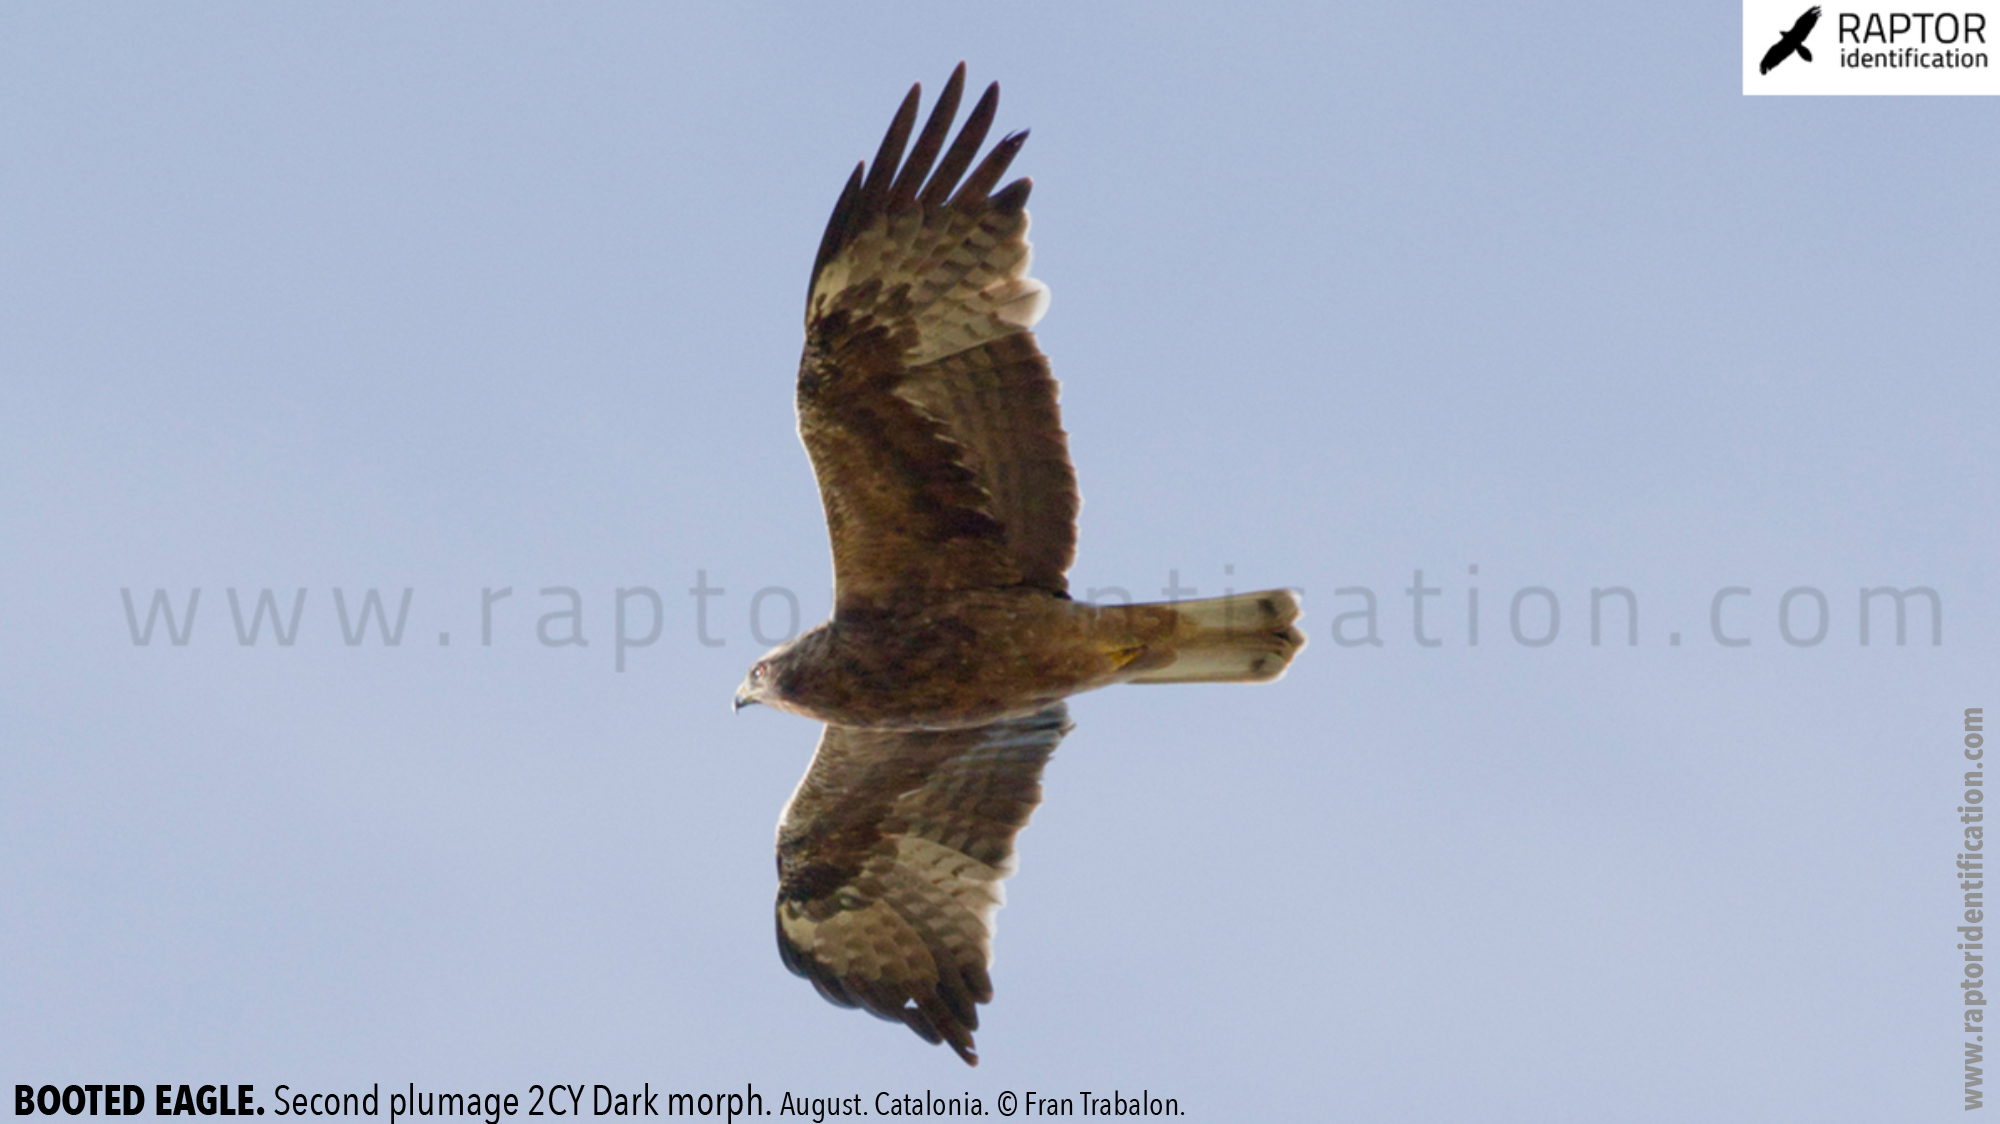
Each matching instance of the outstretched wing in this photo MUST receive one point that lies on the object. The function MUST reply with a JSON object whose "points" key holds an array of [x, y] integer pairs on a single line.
{"points": [[928, 411], [1805, 25], [890, 857]]}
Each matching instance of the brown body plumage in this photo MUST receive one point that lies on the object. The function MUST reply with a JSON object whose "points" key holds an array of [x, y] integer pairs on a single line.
{"points": [[975, 656], [930, 416]]}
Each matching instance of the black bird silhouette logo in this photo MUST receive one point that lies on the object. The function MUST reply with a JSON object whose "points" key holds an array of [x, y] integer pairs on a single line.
{"points": [[1793, 40]]}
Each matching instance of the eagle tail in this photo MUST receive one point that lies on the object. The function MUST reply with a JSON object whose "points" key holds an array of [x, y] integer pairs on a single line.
{"points": [[1245, 638], [1803, 53]]}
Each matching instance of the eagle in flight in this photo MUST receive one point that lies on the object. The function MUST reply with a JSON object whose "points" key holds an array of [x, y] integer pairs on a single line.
{"points": [[930, 417], [1793, 40]]}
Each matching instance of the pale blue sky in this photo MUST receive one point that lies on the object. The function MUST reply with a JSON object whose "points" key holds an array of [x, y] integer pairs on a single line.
{"points": [[468, 297]]}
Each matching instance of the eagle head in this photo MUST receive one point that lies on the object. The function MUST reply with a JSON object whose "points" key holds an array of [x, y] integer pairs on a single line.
{"points": [[771, 680]]}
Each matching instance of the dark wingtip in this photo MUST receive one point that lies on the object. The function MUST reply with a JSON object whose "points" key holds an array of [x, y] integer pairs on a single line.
{"points": [[875, 192], [903, 193], [1013, 198], [981, 181], [838, 227], [959, 157]]}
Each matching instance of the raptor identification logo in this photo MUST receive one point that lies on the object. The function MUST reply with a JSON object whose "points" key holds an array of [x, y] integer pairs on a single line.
{"points": [[1872, 47]]}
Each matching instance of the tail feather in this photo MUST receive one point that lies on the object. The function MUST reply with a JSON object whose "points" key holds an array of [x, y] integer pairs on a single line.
{"points": [[1245, 638]]}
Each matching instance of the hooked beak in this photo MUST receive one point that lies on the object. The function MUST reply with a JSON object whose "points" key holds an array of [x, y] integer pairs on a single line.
{"points": [[743, 698]]}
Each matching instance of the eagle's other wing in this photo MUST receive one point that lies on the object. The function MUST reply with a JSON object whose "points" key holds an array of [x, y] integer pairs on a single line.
{"points": [[1777, 54], [928, 411], [890, 856], [1805, 25]]}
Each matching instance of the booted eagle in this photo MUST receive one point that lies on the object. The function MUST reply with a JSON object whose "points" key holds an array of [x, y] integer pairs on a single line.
{"points": [[931, 421]]}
